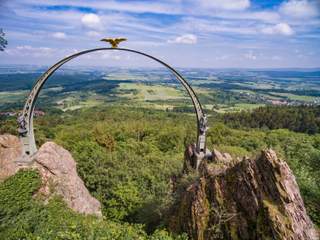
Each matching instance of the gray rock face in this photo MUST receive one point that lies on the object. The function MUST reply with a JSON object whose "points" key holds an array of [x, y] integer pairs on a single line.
{"points": [[252, 199], [58, 172]]}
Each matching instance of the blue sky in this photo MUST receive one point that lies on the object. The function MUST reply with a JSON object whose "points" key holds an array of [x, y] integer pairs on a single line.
{"points": [[185, 33]]}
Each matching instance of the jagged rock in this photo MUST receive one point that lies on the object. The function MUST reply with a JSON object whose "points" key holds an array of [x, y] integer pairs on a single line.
{"points": [[218, 157], [10, 150], [190, 158], [253, 199], [193, 160], [58, 173]]}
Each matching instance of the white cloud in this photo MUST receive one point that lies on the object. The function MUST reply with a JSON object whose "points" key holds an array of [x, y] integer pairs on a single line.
{"points": [[185, 39], [27, 50], [264, 16], [276, 58], [250, 55], [59, 35], [167, 7], [223, 57], [280, 28], [299, 8], [226, 4], [93, 34], [234, 27], [91, 21], [202, 26], [111, 56]]}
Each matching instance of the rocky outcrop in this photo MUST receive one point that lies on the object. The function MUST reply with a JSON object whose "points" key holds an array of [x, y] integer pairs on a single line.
{"points": [[58, 173], [251, 199], [10, 150]]}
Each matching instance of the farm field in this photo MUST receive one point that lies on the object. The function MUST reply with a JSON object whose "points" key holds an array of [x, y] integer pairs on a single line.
{"points": [[218, 90]]}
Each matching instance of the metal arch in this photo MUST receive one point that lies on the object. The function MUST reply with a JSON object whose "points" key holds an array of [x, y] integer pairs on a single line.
{"points": [[25, 120]]}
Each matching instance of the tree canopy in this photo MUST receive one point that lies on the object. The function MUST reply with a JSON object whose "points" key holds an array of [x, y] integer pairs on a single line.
{"points": [[3, 41]]}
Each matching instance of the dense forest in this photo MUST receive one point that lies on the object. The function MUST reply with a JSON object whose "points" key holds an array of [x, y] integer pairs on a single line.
{"points": [[304, 119], [126, 157]]}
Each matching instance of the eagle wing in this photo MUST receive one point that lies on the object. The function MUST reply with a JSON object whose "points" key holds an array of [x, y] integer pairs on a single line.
{"points": [[118, 40], [113, 41], [109, 40]]}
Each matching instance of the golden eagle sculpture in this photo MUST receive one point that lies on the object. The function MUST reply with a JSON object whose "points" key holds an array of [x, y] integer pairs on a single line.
{"points": [[113, 41]]}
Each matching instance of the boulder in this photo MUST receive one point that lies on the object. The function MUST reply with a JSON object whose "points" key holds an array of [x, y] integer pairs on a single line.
{"points": [[223, 158], [58, 172]]}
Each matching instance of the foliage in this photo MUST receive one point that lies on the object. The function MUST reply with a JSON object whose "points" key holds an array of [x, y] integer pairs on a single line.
{"points": [[299, 119], [23, 216], [124, 199], [16, 200], [3, 41], [126, 156], [8, 125]]}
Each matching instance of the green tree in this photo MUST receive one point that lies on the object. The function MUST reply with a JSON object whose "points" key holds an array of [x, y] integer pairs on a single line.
{"points": [[23, 215], [3, 41]]}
